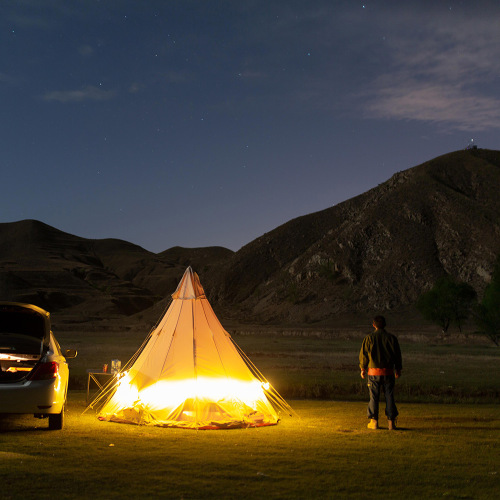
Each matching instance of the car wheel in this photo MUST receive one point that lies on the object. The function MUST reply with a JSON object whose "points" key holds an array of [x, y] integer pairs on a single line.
{"points": [[56, 421]]}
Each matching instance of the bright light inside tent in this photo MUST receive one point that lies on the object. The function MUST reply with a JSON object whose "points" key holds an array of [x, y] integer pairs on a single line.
{"points": [[126, 393], [170, 394]]}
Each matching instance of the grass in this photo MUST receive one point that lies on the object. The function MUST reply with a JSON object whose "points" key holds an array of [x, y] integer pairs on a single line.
{"points": [[435, 370], [448, 451], [312, 367]]}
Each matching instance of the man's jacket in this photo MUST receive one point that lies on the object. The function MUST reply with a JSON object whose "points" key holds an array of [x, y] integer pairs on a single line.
{"points": [[380, 354]]}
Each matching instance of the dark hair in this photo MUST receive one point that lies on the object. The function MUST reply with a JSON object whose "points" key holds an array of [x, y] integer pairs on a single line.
{"points": [[379, 322]]}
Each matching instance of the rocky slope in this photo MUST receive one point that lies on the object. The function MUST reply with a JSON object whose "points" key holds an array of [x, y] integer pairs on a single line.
{"points": [[88, 278], [376, 252]]}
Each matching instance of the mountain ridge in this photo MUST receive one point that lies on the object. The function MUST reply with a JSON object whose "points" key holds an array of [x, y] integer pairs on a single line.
{"points": [[84, 277], [377, 252]]}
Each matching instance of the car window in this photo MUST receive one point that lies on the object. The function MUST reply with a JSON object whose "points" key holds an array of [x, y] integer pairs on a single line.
{"points": [[15, 343], [24, 322]]}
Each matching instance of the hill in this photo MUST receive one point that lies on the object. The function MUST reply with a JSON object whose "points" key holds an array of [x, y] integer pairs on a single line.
{"points": [[376, 252], [88, 278]]}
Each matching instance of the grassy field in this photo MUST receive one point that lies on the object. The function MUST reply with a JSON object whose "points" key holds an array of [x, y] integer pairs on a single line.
{"points": [[328, 368], [442, 451], [449, 370]]}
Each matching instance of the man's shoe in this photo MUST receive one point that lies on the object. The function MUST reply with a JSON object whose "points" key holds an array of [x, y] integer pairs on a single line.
{"points": [[392, 425], [373, 424]]}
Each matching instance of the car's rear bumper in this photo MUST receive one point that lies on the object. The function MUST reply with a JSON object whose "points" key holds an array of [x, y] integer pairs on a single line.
{"points": [[37, 396]]}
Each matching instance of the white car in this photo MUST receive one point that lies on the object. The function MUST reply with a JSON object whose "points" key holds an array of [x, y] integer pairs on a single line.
{"points": [[33, 370]]}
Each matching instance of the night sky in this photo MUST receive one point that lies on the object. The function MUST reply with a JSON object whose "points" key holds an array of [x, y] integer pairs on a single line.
{"points": [[199, 123]]}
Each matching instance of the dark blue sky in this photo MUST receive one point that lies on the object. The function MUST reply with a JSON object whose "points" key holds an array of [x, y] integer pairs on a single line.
{"points": [[199, 123]]}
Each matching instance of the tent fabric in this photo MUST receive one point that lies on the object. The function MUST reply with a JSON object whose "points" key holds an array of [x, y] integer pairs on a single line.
{"points": [[190, 373]]}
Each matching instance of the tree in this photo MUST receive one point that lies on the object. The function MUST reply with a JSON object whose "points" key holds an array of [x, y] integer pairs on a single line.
{"points": [[448, 301], [487, 314]]}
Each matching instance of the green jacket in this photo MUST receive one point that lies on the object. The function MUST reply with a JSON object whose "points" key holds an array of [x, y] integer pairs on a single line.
{"points": [[380, 350]]}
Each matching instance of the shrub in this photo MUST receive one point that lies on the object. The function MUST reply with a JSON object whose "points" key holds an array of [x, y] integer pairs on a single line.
{"points": [[448, 301], [487, 313]]}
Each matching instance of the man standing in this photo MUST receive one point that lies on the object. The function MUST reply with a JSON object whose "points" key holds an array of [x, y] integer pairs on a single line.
{"points": [[380, 356]]}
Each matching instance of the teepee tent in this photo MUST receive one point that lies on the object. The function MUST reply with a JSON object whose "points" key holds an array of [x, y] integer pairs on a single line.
{"points": [[190, 373]]}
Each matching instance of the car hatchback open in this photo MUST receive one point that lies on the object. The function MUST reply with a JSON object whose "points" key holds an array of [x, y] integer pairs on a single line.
{"points": [[33, 371]]}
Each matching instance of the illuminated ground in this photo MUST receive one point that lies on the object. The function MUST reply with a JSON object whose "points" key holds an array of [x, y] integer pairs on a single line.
{"points": [[442, 450]]}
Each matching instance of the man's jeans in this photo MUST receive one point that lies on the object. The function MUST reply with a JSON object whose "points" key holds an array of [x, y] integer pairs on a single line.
{"points": [[375, 384]]}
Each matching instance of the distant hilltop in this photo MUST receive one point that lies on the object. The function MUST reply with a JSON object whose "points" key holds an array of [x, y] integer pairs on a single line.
{"points": [[86, 278], [376, 252]]}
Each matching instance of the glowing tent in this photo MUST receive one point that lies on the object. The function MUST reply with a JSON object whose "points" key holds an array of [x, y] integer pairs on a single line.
{"points": [[189, 373]]}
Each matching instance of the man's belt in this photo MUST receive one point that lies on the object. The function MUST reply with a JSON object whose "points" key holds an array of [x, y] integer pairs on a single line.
{"points": [[379, 372]]}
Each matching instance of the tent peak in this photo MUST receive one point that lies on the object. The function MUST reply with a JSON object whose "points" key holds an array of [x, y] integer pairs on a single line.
{"points": [[189, 287]]}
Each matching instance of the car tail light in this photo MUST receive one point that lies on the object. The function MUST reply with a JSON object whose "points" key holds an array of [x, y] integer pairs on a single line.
{"points": [[45, 371]]}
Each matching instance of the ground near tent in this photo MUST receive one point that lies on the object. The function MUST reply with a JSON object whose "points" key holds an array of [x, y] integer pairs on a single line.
{"points": [[316, 364], [443, 451]]}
